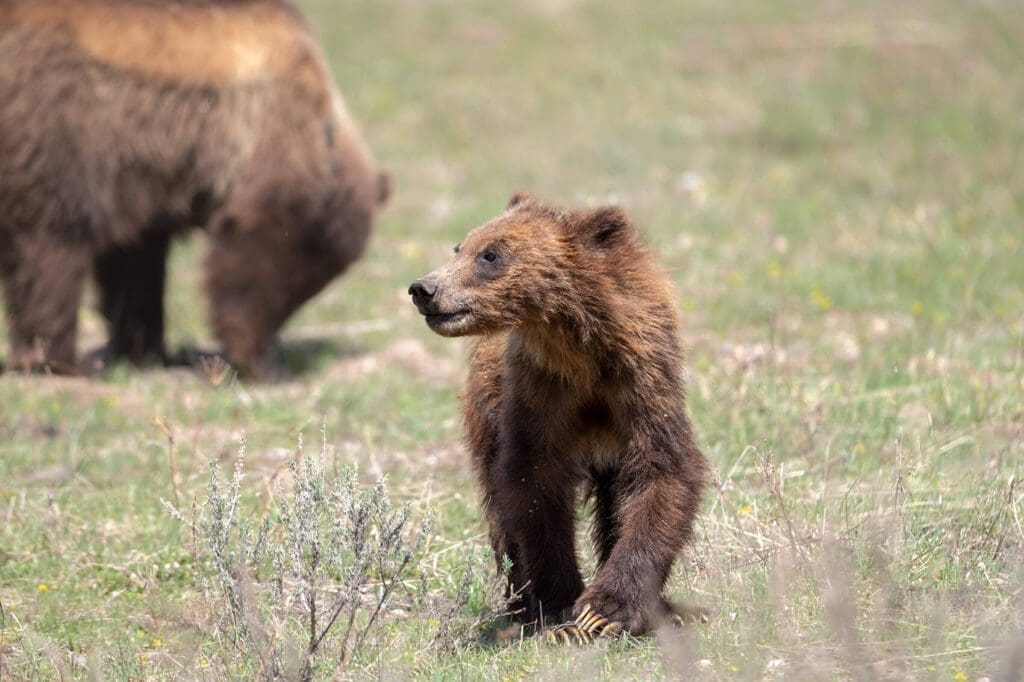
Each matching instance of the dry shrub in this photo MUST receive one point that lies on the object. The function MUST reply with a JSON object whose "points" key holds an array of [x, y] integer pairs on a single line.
{"points": [[308, 581]]}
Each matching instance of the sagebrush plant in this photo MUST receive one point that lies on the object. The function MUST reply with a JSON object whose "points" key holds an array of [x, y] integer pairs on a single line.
{"points": [[480, 604], [306, 581]]}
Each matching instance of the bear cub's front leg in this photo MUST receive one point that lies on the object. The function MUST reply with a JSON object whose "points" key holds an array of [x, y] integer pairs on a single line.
{"points": [[655, 510], [535, 511]]}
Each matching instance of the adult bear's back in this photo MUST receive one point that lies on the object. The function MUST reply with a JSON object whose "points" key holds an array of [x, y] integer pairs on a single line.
{"points": [[122, 109]]}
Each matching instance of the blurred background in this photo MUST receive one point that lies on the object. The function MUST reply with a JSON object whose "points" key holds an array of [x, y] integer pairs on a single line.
{"points": [[837, 191], [791, 163]]}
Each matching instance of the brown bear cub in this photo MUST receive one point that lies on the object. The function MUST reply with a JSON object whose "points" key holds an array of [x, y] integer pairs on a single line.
{"points": [[575, 383], [124, 124]]}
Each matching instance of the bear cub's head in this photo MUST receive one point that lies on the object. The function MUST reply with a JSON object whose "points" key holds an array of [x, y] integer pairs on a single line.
{"points": [[524, 267]]}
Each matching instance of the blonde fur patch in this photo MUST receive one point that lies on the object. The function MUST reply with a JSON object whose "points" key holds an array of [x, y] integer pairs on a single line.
{"points": [[209, 45]]}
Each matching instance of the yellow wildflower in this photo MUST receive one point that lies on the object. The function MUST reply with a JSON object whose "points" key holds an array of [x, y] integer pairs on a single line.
{"points": [[820, 300]]}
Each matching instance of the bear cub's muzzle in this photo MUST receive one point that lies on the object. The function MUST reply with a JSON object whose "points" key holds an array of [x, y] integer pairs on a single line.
{"points": [[422, 292], [424, 295]]}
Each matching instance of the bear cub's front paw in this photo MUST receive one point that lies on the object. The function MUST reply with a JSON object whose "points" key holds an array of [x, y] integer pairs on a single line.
{"points": [[588, 625], [595, 608]]}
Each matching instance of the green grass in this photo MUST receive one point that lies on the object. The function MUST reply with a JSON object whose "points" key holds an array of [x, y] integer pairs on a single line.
{"points": [[850, 270]]}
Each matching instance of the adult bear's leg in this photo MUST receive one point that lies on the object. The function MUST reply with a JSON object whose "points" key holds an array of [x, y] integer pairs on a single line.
{"points": [[43, 279], [131, 285]]}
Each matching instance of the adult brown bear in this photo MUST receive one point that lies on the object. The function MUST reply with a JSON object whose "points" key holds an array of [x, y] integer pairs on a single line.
{"points": [[575, 382], [123, 123]]}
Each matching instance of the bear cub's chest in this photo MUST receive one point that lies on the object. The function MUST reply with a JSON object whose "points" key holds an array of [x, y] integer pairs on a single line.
{"points": [[594, 440]]}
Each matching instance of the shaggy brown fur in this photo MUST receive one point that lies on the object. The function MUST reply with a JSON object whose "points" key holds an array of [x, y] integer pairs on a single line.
{"points": [[123, 123], [575, 384]]}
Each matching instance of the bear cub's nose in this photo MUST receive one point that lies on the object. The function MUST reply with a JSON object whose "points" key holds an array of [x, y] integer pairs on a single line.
{"points": [[422, 290]]}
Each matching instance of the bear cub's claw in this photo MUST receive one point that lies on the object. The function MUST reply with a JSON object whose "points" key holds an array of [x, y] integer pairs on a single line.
{"points": [[588, 625]]}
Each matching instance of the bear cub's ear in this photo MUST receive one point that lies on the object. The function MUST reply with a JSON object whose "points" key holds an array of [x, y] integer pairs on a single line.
{"points": [[603, 228], [520, 197]]}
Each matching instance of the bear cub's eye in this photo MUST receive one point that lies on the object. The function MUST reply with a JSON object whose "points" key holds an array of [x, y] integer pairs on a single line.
{"points": [[457, 247], [489, 263]]}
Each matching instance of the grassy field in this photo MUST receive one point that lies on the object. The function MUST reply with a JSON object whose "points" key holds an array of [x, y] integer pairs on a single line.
{"points": [[838, 193]]}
